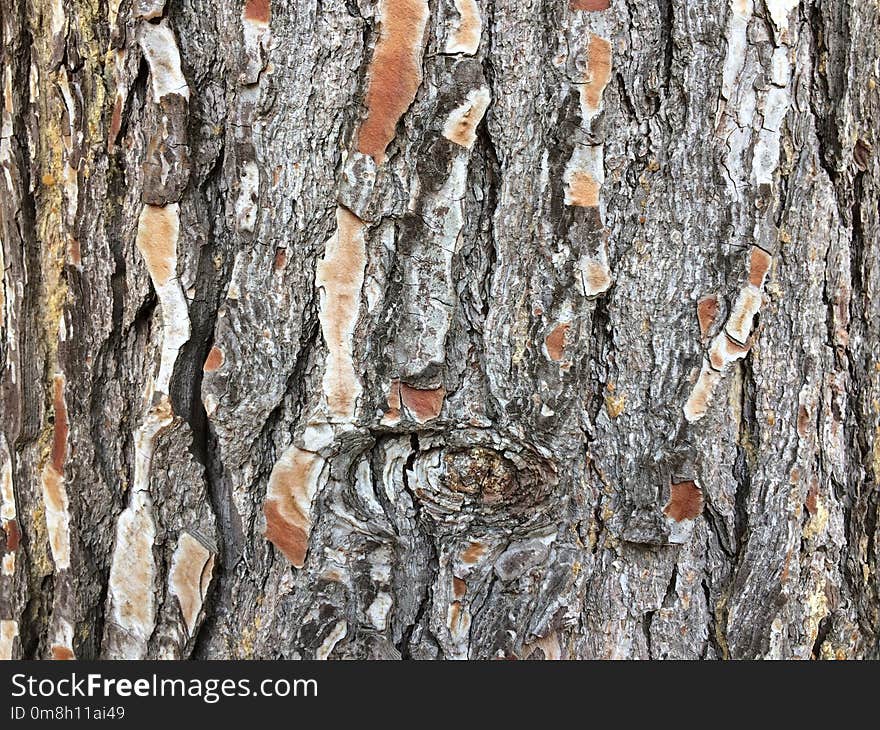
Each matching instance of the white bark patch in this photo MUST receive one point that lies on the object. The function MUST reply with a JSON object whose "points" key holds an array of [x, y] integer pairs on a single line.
{"points": [[461, 126], [8, 633], [189, 578], [595, 273], [701, 396], [132, 574], [766, 158], [780, 10], [379, 609], [737, 44], [62, 644], [7, 492], [133, 569], [8, 564], [57, 516], [466, 28], [339, 279], [748, 303], [55, 501], [584, 175], [157, 236], [338, 633], [160, 49], [248, 196], [148, 9]]}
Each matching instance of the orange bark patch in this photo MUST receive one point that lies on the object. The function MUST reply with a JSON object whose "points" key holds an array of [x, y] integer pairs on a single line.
{"points": [[214, 360], [257, 11], [803, 422], [583, 190], [280, 259], [62, 428], [158, 228], [289, 538], [459, 587], [475, 551], [341, 276], [598, 72], [392, 415], [555, 341], [62, 653], [13, 535], [589, 5], [466, 38], [813, 498], [597, 278], [424, 405], [759, 265], [292, 486], [395, 73], [685, 501], [707, 311], [115, 124]]}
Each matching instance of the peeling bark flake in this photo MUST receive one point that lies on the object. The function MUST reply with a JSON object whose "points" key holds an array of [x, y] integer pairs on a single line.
{"points": [[340, 278], [395, 73]]}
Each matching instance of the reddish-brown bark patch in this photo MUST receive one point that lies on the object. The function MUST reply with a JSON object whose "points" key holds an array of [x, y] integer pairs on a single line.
{"points": [[803, 422], [424, 405], [759, 265], [289, 538], [62, 428], [813, 499], [13, 535], [395, 73], [459, 587], [214, 360], [598, 71], [707, 311], [257, 11], [555, 341], [685, 501], [474, 552], [62, 653], [280, 259], [589, 5], [115, 124]]}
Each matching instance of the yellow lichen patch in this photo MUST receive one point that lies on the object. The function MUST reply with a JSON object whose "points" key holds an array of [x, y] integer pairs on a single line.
{"points": [[614, 404], [191, 568], [395, 73], [340, 278]]}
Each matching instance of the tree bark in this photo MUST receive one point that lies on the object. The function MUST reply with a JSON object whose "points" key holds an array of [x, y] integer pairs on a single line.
{"points": [[439, 329]]}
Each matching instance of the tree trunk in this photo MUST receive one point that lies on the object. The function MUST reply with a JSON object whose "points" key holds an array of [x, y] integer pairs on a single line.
{"points": [[439, 329]]}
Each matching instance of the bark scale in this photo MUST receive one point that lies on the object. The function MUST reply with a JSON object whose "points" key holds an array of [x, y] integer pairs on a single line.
{"points": [[439, 329]]}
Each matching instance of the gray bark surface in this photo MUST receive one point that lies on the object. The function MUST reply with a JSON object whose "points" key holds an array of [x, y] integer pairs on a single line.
{"points": [[439, 329]]}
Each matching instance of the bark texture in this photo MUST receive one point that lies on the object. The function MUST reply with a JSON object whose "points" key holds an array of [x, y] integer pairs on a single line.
{"points": [[439, 329]]}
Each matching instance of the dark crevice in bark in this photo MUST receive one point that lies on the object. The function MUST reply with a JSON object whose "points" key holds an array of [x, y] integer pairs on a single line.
{"points": [[404, 646], [742, 468]]}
